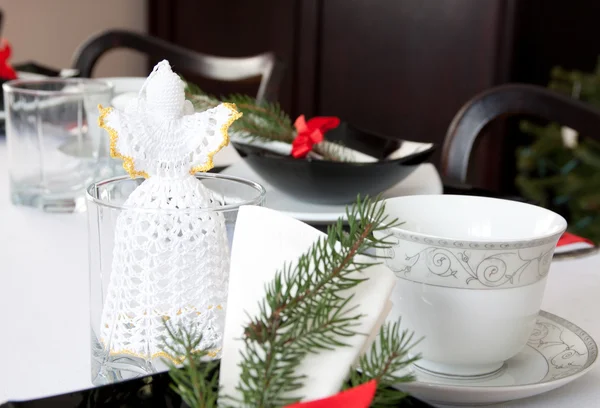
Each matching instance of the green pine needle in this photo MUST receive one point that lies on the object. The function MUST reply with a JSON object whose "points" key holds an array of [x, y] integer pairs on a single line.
{"points": [[384, 363], [197, 381], [560, 178]]}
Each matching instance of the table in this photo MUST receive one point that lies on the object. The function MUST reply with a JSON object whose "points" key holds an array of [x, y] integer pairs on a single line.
{"points": [[44, 299], [44, 307]]}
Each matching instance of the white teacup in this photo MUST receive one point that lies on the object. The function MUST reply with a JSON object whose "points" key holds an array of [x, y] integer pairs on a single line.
{"points": [[471, 276]]}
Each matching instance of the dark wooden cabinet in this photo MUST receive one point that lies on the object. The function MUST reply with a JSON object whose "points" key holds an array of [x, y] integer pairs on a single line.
{"points": [[404, 68], [398, 67]]}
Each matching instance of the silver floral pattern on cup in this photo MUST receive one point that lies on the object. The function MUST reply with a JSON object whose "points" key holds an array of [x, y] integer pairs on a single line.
{"points": [[469, 265]]}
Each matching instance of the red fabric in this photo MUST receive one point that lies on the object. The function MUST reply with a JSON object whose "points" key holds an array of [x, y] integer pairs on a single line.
{"points": [[568, 238], [357, 397], [6, 71], [310, 133]]}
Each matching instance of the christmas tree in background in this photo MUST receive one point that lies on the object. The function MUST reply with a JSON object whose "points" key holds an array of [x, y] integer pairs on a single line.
{"points": [[559, 170]]}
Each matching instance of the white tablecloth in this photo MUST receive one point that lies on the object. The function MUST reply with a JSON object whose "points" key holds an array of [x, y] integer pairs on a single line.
{"points": [[44, 318], [44, 323]]}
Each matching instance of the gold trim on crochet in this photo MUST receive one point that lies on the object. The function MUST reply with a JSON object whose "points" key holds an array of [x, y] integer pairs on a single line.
{"points": [[128, 163], [175, 360], [210, 164]]}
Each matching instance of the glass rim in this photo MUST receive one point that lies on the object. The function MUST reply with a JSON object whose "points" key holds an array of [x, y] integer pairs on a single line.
{"points": [[258, 200], [16, 86]]}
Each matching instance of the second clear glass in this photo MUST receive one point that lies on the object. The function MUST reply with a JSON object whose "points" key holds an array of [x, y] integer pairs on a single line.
{"points": [[53, 139]]}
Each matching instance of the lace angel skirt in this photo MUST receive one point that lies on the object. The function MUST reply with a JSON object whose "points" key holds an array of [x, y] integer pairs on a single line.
{"points": [[170, 263]]}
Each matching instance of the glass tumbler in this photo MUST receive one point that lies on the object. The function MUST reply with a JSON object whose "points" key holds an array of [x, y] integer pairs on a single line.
{"points": [[53, 140], [148, 266]]}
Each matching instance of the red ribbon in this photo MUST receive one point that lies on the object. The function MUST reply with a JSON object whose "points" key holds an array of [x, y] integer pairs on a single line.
{"points": [[310, 133], [568, 238], [6, 71], [357, 397]]}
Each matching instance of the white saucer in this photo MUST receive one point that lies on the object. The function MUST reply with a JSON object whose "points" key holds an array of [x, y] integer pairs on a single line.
{"points": [[424, 180], [557, 353]]}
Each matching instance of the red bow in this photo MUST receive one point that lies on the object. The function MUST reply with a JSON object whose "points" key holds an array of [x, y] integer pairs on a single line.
{"points": [[357, 397], [6, 71], [310, 133]]}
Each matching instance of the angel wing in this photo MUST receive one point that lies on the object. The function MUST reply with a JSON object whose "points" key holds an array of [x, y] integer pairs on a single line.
{"points": [[121, 145], [210, 134], [148, 145]]}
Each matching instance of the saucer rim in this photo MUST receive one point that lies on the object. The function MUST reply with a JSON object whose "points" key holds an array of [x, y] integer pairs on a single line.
{"points": [[417, 385]]}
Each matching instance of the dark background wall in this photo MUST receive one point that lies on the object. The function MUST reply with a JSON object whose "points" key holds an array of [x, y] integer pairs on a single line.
{"points": [[398, 67]]}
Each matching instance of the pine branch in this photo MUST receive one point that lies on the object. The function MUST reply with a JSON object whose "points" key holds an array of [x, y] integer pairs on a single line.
{"points": [[560, 178], [264, 121], [303, 311], [387, 357], [201, 100], [197, 382], [261, 120]]}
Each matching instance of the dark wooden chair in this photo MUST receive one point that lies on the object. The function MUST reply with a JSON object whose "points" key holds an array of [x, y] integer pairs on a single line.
{"points": [[266, 65], [503, 102]]}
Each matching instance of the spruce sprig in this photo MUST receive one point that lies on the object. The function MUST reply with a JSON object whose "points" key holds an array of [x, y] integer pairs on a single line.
{"points": [[200, 99], [197, 381], [304, 311], [261, 120], [564, 179], [387, 357]]}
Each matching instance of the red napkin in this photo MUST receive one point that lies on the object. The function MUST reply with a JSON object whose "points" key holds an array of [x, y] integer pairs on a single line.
{"points": [[568, 238], [357, 397], [571, 242]]}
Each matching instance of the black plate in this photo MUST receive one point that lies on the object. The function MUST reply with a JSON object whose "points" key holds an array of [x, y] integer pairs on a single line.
{"points": [[150, 392], [329, 182]]}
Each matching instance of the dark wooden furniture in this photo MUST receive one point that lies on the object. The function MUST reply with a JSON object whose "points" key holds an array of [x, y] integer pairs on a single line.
{"points": [[401, 68], [264, 68], [396, 68], [503, 102]]}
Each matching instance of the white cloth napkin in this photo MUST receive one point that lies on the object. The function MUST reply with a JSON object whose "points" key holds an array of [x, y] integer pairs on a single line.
{"points": [[406, 149], [264, 239]]}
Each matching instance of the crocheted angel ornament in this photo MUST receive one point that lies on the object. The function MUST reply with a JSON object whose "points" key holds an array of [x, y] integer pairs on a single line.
{"points": [[168, 263]]}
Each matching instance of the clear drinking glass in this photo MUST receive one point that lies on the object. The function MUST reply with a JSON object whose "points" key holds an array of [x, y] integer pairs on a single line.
{"points": [[53, 140], [106, 212]]}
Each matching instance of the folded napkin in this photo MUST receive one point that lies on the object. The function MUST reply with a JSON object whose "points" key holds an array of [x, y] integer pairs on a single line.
{"points": [[264, 240], [285, 149], [570, 242]]}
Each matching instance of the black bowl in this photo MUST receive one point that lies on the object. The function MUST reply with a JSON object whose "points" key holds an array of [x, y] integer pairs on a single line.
{"points": [[330, 182]]}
